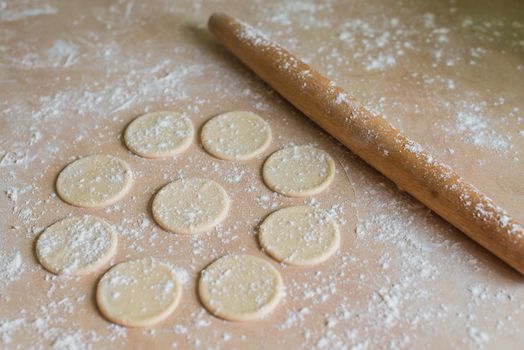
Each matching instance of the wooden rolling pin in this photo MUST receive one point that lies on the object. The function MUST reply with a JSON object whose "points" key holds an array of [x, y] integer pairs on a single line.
{"points": [[376, 141]]}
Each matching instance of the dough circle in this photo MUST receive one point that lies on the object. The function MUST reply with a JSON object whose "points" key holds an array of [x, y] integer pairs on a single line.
{"points": [[236, 135], [299, 235], [190, 205], [94, 181], [76, 245], [138, 293], [159, 134], [299, 171], [240, 287]]}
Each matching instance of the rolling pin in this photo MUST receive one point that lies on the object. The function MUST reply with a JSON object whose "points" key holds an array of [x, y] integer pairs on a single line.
{"points": [[376, 141]]}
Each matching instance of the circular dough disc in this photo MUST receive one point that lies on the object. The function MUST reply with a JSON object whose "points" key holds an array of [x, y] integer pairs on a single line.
{"points": [[76, 245], [236, 135], [240, 287], [299, 171], [299, 235], [159, 134], [138, 293], [190, 205], [94, 181]]}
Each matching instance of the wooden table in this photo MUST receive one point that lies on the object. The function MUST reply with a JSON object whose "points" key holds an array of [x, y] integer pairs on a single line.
{"points": [[450, 75]]}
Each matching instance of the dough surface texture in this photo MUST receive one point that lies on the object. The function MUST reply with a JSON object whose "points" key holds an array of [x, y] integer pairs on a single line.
{"points": [[299, 171], [94, 181], [299, 235], [190, 205], [240, 287], [159, 134], [236, 135], [138, 293], [76, 245]]}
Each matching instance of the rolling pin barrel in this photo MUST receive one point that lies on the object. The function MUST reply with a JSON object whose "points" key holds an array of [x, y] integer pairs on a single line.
{"points": [[376, 141]]}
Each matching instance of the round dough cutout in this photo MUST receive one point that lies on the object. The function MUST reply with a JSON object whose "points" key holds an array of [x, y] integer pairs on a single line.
{"points": [[240, 287], [94, 181], [138, 293], [238, 135], [190, 205], [299, 171], [300, 236], [159, 134], [76, 245]]}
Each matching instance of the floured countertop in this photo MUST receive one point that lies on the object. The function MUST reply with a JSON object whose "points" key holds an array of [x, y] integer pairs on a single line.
{"points": [[449, 74]]}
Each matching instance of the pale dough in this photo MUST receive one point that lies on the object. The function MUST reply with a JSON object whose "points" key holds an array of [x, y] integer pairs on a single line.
{"points": [[94, 181], [138, 293], [190, 205], [76, 245], [299, 171], [240, 287], [159, 134], [236, 135], [299, 235]]}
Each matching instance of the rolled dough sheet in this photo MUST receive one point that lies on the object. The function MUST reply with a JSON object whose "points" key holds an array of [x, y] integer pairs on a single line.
{"points": [[94, 181], [138, 293], [238, 135], [300, 235], [76, 245], [240, 287], [190, 205], [299, 171], [159, 134]]}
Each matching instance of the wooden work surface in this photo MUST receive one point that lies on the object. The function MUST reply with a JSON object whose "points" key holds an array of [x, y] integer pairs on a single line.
{"points": [[449, 74]]}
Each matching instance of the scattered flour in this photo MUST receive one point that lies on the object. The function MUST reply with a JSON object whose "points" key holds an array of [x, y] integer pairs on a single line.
{"points": [[11, 267], [386, 290]]}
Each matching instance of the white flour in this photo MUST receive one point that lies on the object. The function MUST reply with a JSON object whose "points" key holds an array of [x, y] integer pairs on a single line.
{"points": [[402, 275]]}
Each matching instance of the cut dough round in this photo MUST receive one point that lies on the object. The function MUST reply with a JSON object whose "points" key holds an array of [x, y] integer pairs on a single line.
{"points": [[299, 171], [94, 181], [138, 293], [236, 135], [190, 205], [240, 287], [159, 134], [299, 235], [77, 245]]}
